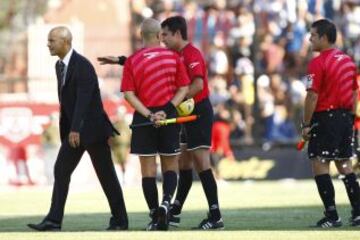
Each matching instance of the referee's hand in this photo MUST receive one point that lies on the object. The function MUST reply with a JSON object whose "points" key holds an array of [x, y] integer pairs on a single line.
{"points": [[157, 117], [305, 133], [108, 60]]}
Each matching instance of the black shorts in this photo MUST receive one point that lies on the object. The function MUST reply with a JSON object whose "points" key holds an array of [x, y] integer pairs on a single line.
{"points": [[331, 139], [150, 141], [357, 143], [197, 134]]}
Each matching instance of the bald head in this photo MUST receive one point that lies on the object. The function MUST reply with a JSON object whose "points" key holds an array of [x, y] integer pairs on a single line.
{"points": [[59, 41], [62, 32], [150, 29]]}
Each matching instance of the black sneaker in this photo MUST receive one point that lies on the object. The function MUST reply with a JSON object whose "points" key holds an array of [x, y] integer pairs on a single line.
{"points": [[174, 216], [174, 220], [355, 219], [210, 224], [327, 222], [152, 225], [163, 216]]}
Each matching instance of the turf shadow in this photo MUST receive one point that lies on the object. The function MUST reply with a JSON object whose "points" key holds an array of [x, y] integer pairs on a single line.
{"points": [[295, 218]]}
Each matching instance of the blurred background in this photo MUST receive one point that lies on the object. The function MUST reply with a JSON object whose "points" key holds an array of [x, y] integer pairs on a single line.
{"points": [[256, 52]]}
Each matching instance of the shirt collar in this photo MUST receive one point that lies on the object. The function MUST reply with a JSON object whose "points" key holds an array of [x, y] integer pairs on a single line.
{"points": [[66, 59]]}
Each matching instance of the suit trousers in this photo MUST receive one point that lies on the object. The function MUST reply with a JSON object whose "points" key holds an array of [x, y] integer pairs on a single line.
{"points": [[67, 160]]}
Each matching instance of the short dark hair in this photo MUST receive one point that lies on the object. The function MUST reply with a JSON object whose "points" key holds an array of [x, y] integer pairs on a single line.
{"points": [[325, 27], [174, 24]]}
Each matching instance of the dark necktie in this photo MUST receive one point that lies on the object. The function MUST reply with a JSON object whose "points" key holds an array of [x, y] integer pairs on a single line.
{"points": [[62, 72]]}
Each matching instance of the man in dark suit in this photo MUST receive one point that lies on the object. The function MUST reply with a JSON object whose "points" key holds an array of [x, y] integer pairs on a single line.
{"points": [[84, 126]]}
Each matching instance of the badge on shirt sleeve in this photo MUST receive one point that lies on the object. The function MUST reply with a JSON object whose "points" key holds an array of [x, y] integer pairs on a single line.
{"points": [[309, 80], [193, 64]]}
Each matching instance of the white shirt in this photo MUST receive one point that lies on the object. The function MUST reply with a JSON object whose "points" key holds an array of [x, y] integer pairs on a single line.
{"points": [[66, 61]]}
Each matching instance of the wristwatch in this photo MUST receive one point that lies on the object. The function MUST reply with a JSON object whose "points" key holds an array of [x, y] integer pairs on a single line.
{"points": [[121, 60]]}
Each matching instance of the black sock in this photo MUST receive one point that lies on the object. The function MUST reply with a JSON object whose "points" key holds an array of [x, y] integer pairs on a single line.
{"points": [[327, 194], [210, 188], [184, 185], [169, 185], [150, 192], [353, 192]]}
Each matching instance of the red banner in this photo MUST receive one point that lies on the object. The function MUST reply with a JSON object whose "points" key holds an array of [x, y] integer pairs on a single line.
{"points": [[23, 123]]}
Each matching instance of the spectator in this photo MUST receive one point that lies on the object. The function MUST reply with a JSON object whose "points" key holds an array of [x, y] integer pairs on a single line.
{"points": [[121, 144], [220, 140], [18, 156], [273, 42], [50, 144]]}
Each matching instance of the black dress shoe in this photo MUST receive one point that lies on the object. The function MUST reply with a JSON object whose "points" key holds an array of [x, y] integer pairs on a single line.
{"points": [[115, 224], [45, 225], [117, 227]]}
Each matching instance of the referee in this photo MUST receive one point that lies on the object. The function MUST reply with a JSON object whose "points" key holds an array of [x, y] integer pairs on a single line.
{"points": [[329, 107], [195, 136], [154, 82]]}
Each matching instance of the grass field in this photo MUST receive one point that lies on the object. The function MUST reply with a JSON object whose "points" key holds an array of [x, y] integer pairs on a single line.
{"points": [[251, 210]]}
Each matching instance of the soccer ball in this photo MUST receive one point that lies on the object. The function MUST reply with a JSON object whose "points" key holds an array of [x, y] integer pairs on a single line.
{"points": [[186, 107]]}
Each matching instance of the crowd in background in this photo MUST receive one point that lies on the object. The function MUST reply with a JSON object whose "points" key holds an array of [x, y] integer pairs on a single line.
{"points": [[257, 52]]}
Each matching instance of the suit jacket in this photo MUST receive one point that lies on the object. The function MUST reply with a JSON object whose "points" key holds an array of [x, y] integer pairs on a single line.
{"points": [[81, 108]]}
